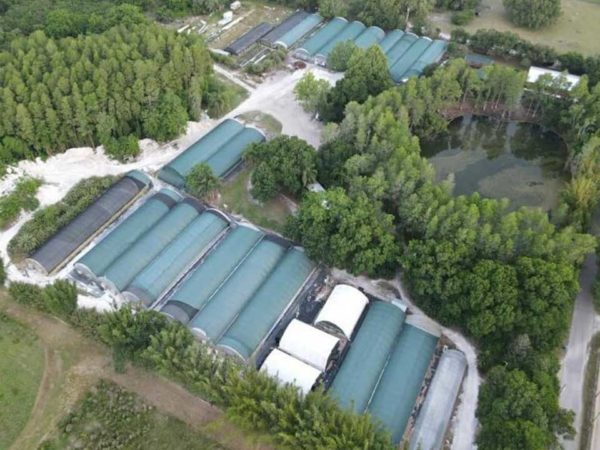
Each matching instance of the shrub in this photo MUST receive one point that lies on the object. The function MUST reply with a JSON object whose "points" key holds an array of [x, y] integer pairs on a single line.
{"points": [[60, 298], [49, 220], [201, 182], [27, 294], [123, 148], [23, 198], [2, 273], [271, 62], [461, 18], [340, 55]]}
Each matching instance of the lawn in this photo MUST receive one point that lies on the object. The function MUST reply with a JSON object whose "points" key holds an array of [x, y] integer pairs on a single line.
{"points": [[236, 199], [234, 95], [21, 371], [576, 30], [111, 417], [265, 122]]}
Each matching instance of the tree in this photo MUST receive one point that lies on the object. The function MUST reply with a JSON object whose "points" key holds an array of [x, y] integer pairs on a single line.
{"points": [[367, 74], [61, 298], [281, 164], [167, 120], [345, 232], [201, 182], [533, 13], [2, 273], [311, 92], [123, 148], [340, 56]]}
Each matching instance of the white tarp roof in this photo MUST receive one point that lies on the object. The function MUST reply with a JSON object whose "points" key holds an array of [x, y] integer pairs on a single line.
{"points": [[289, 370], [343, 308], [536, 72], [308, 344]]}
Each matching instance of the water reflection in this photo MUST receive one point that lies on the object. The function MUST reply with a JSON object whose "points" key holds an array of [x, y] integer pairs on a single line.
{"points": [[518, 161]]}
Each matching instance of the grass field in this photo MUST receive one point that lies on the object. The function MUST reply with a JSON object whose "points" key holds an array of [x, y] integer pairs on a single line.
{"points": [[266, 122], [21, 370], [576, 29], [236, 199], [111, 417]]}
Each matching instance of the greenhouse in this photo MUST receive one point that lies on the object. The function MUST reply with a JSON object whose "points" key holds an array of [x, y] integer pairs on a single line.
{"points": [[289, 370], [285, 26], [360, 370], [400, 48], [430, 56], [246, 40], [436, 411], [403, 65], [390, 40], [308, 344], [309, 49], [192, 294], [342, 310], [184, 250], [215, 141], [349, 33], [230, 155], [267, 306], [401, 381], [60, 248], [125, 268], [104, 253], [221, 309], [369, 37], [294, 34]]}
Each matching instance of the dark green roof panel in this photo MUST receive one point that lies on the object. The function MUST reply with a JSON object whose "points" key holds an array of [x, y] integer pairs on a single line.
{"points": [[390, 40], [205, 279], [188, 246], [369, 37], [230, 154], [268, 304], [360, 370], [147, 247], [299, 31], [400, 48], [224, 306], [400, 384], [323, 36], [409, 58], [349, 33]]}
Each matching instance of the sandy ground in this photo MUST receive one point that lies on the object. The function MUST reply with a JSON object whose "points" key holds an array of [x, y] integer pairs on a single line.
{"points": [[585, 323], [464, 423]]}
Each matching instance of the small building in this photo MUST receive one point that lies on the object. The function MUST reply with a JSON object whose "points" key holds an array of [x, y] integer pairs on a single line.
{"points": [[289, 370], [570, 81], [342, 310], [308, 344], [477, 60]]}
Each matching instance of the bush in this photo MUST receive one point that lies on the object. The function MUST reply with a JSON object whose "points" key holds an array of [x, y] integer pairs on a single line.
{"points": [[49, 220], [23, 198], [60, 298], [2, 273], [28, 295], [123, 148], [271, 62], [201, 182], [340, 55], [461, 18]]}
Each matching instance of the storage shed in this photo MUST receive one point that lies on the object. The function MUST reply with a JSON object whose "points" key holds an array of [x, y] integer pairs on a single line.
{"points": [[535, 73], [192, 294], [141, 253], [289, 370], [62, 246], [343, 309], [246, 40], [219, 312], [268, 304], [175, 172], [184, 250], [93, 264], [394, 398], [436, 411], [309, 48], [308, 344], [360, 370]]}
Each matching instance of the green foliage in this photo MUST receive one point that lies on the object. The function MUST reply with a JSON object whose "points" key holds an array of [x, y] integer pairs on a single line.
{"points": [[347, 232], [311, 93], [201, 181], [22, 198], [27, 294], [221, 97], [533, 13], [140, 80], [123, 148], [281, 164], [393, 13], [2, 273], [340, 56], [273, 61], [49, 220], [463, 17], [367, 75], [60, 298]]}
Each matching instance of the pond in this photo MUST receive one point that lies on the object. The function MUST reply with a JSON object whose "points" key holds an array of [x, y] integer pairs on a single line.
{"points": [[519, 161]]}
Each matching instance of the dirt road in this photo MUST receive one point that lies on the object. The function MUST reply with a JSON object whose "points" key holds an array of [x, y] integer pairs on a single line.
{"points": [[74, 364], [585, 323]]}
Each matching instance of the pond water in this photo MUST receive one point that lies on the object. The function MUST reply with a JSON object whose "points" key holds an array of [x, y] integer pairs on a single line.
{"points": [[518, 161]]}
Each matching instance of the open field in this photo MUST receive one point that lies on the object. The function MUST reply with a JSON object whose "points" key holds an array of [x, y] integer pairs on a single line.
{"points": [[266, 122], [236, 199], [21, 371], [74, 364], [576, 29]]}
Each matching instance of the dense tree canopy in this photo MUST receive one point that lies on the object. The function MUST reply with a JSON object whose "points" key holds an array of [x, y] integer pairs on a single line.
{"points": [[141, 80], [282, 164], [201, 181], [532, 13]]}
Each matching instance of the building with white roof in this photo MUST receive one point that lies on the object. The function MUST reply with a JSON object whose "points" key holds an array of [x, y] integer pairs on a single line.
{"points": [[343, 309], [309, 344]]}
